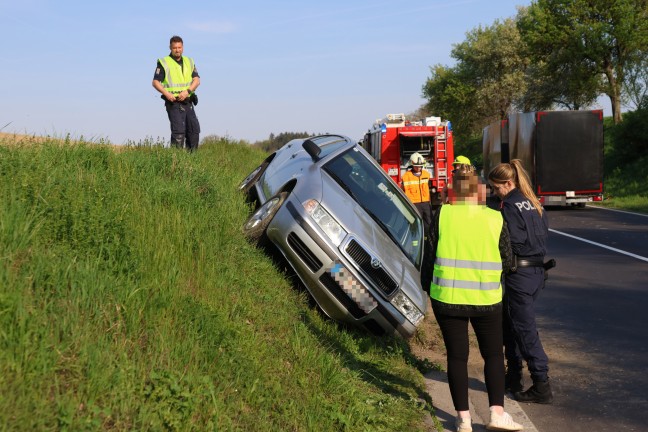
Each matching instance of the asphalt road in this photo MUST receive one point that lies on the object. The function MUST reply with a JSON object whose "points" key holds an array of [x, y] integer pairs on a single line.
{"points": [[593, 321]]}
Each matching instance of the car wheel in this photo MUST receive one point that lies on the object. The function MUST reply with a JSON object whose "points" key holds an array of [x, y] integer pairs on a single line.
{"points": [[254, 228], [247, 185]]}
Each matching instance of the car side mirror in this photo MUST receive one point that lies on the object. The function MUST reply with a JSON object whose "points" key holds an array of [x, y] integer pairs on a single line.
{"points": [[312, 149]]}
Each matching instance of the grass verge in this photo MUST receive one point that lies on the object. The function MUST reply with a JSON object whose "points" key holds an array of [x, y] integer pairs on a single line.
{"points": [[130, 301]]}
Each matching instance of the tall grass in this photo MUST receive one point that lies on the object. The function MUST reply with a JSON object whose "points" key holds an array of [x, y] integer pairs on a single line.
{"points": [[130, 301]]}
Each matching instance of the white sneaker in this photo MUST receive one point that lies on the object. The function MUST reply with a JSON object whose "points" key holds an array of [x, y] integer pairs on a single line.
{"points": [[463, 424], [502, 422]]}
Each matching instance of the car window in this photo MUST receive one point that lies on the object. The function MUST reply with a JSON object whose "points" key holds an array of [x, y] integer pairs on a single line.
{"points": [[370, 187]]}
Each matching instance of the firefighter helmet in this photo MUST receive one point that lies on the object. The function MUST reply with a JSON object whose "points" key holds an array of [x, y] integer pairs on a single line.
{"points": [[461, 160], [417, 160]]}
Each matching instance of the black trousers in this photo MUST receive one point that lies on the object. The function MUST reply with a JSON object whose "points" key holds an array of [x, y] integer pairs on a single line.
{"points": [[488, 329], [184, 125], [426, 213], [521, 338]]}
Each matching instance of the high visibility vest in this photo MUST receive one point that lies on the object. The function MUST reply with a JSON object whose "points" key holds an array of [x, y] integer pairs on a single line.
{"points": [[468, 265], [176, 78], [417, 188]]}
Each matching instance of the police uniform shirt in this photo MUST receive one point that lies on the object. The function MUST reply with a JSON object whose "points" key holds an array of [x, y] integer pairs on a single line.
{"points": [[527, 229], [160, 74]]}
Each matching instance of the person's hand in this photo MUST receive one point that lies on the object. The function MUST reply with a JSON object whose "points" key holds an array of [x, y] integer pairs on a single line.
{"points": [[170, 97], [183, 95]]}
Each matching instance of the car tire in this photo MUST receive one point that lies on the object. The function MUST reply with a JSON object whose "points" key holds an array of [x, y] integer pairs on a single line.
{"points": [[247, 185], [255, 227]]}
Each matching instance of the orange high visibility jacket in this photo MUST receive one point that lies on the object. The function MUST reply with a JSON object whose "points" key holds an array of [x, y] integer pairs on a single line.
{"points": [[417, 188]]}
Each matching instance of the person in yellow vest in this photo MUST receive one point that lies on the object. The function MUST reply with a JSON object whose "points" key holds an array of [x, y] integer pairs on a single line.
{"points": [[176, 77], [416, 184], [471, 246]]}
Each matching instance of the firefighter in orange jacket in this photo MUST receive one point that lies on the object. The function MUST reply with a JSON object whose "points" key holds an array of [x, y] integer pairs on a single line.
{"points": [[416, 184]]}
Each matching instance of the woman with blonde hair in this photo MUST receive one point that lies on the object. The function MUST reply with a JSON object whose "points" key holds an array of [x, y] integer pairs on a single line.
{"points": [[529, 230]]}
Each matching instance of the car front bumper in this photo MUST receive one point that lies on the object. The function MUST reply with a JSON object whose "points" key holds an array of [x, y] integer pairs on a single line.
{"points": [[333, 280]]}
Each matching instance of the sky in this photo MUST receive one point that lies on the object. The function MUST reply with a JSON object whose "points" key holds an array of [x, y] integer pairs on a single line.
{"points": [[85, 68]]}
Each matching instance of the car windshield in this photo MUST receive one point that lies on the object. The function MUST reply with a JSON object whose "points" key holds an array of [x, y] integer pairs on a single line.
{"points": [[377, 195]]}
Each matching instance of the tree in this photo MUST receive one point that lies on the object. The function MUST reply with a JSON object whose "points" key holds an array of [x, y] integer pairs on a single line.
{"points": [[631, 136], [275, 142], [636, 83], [575, 88], [451, 97], [487, 81], [585, 40]]}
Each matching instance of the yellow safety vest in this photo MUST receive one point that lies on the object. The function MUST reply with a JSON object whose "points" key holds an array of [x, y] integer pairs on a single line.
{"points": [[417, 188], [176, 78], [468, 265]]}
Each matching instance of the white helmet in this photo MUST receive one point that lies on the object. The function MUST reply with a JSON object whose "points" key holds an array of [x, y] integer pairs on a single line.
{"points": [[417, 160]]}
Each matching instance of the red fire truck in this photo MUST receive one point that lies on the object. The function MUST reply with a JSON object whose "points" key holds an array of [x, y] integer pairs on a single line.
{"points": [[393, 139]]}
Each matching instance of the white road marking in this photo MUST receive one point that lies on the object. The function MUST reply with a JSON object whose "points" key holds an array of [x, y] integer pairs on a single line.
{"points": [[618, 211], [639, 257]]}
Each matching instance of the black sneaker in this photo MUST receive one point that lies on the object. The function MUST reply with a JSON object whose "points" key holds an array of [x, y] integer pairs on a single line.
{"points": [[539, 392]]}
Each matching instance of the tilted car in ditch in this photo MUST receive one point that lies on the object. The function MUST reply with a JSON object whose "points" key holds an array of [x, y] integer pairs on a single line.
{"points": [[346, 228]]}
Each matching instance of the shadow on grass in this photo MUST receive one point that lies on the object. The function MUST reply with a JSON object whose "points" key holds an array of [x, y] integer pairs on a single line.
{"points": [[376, 372]]}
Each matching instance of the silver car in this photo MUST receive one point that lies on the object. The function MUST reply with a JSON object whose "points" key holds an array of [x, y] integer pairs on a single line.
{"points": [[346, 228]]}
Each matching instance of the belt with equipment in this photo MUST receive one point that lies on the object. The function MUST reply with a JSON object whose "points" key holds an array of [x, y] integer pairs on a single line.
{"points": [[533, 262], [529, 262]]}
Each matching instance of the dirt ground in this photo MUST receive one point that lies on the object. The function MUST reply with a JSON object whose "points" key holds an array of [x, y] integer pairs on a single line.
{"points": [[427, 343]]}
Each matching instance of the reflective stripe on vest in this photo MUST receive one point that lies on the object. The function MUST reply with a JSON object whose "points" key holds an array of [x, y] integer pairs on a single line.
{"points": [[417, 188], [177, 78], [468, 266]]}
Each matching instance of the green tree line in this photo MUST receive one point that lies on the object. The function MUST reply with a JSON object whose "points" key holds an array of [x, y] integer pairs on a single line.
{"points": [[554, 54], [275, 142]]}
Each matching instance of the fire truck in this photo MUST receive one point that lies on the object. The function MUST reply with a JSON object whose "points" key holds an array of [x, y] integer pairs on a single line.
{"points": [[393, 139]]}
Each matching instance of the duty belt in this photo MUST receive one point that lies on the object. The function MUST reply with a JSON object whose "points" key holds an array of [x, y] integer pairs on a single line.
{"points": [[533, 262], [529, 262]]}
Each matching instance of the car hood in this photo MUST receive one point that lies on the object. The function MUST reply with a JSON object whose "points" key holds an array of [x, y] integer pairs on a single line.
{"points": [[357, 222]]}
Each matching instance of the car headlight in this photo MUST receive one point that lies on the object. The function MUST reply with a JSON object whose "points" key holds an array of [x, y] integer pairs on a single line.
{"points": [[325, 221], [407, 308]]}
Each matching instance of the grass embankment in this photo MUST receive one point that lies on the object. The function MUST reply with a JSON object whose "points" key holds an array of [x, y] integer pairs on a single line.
{"points": [[130, 301], [626, 171], [627, 187]]}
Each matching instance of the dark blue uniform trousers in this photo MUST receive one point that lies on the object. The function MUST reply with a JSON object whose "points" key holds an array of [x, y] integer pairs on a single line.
{"points": [[521, 339], [184, 125]]}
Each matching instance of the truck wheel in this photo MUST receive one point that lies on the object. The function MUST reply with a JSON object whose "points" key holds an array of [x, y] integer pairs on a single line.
{"points": [[247, 185], [254, 228]]}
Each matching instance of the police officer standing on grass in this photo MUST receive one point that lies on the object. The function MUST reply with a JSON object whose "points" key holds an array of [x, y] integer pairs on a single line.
{"points": [[176, 77], [529, 230]]}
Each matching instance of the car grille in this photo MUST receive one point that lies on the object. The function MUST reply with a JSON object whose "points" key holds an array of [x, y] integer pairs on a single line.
{"points": [[313, 263], [327, 280], [378, 275]]}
